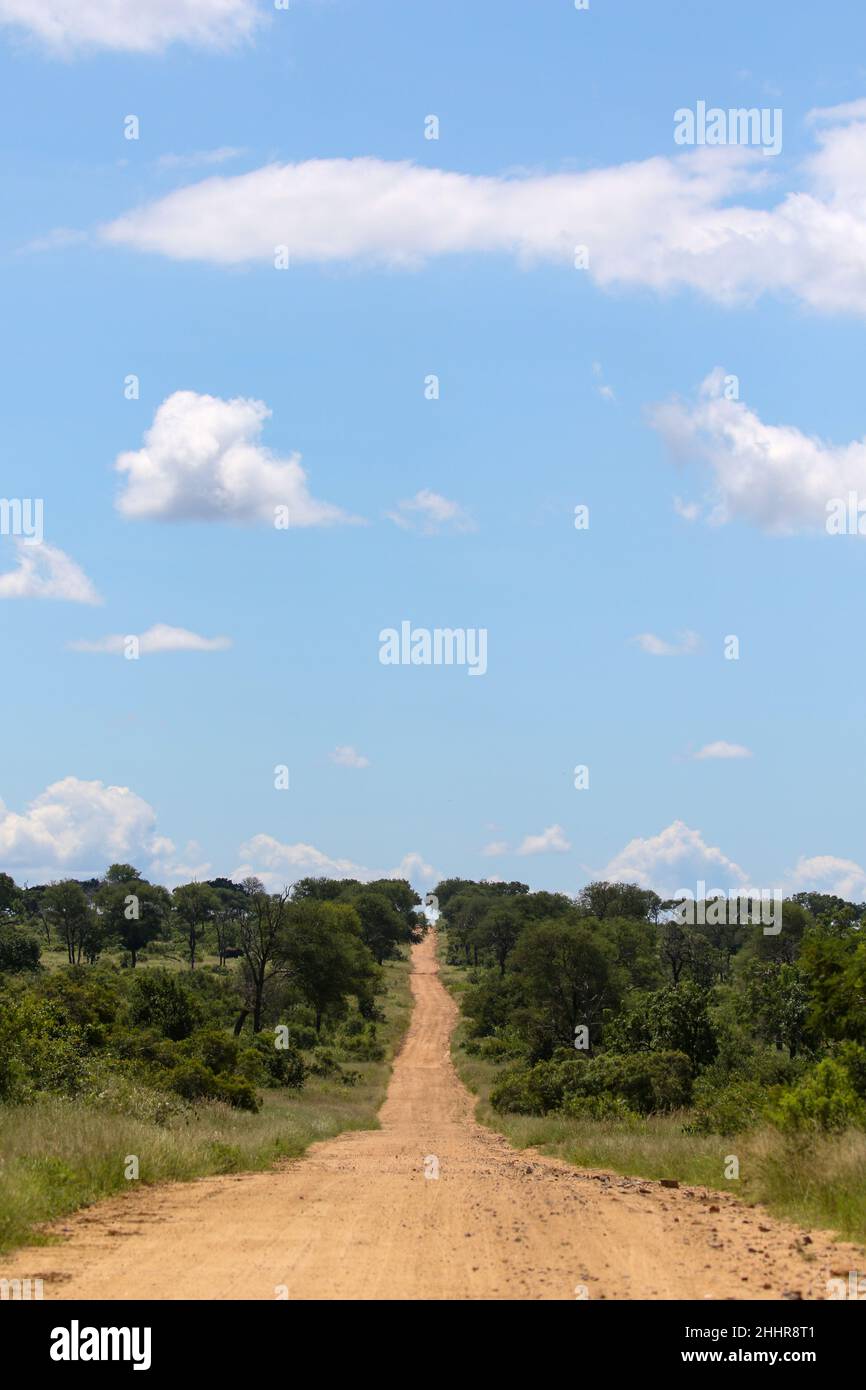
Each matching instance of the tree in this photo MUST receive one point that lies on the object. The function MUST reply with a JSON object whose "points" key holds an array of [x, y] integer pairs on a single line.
{"points": [[675, 948], [499, 931], [233, 907], [121, 873], [382, 926], [194, 906], [134, 911], [9, 896], [775, 1003], [835, 973], [404, 900], [262, 938], [323, 889], [69, 911], [602, 899], [678, 1020], [326, 956], [463, 916], [568, 974]]}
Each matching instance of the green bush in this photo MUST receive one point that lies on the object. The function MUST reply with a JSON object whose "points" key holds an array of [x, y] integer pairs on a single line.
{"points": [[824, 1100], [39, 1051], [604, 1107], [159, 1000], [730, 1109], [18, 950], [195, 1082], [538, 1088], [358, 1039], [647, 1082], [853, 1058], [281, 1066]]}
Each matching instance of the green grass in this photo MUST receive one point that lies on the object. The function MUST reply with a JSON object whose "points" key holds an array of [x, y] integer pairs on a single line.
{"points": [[58, 1155], [818, 1182]]}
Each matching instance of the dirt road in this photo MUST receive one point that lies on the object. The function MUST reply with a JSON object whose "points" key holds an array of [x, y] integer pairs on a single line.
{"points": [[357, 1218]]}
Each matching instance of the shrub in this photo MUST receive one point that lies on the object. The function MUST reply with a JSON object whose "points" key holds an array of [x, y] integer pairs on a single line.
{"points": [[730, 1109], [158, 999], [824, 1100], [604, 1107], [647, 1081], [18, 950], [538, 1088], [281, 1066], [359, 1040], [217, 1050], [195, 1082]]}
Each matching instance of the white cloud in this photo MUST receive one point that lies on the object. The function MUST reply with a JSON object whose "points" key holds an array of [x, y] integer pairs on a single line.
{"points": [[66, 27], [720, 749], [553, 838], [414, 867], [170, 869], [202, 460], [159, 638], [773, 476], [57, 240], [222, 155], [678, 857], [44, 571], [495, 848], [278, 864], [666, 222], [648, 642], [347, 756], [689, 511], [826, 874], [78, 828], [431, 512]]}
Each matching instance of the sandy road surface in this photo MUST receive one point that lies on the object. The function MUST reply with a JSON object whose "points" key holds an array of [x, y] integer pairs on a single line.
{"points": [[356, 1218]]}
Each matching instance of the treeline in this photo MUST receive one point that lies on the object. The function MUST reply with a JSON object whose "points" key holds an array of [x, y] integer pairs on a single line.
{"points": [[243, 988], [607, 1006]]}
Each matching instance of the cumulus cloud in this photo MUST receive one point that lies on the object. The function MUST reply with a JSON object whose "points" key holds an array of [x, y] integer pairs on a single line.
{"points": [[826, 874], [66, 27], [720, 749], [553, 838], [687, 642], [278, 864], [347, 756], [78, 828], [159, 638], [202, 460], [667, 222], [430, 512], [495, 849], [171, 868], [414, 867], [44, 571], [678, 857], [772, 476]]}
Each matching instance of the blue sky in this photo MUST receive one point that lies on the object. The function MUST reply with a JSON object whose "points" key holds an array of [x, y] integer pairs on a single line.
{"points": [[154, 257]]}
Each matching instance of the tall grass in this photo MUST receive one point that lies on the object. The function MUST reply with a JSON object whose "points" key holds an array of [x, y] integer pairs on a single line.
{"points": [[57, 1155]]}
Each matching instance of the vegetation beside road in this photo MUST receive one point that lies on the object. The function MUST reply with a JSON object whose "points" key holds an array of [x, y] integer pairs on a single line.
{"points": [[706, 1042], [248, 1025]]}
